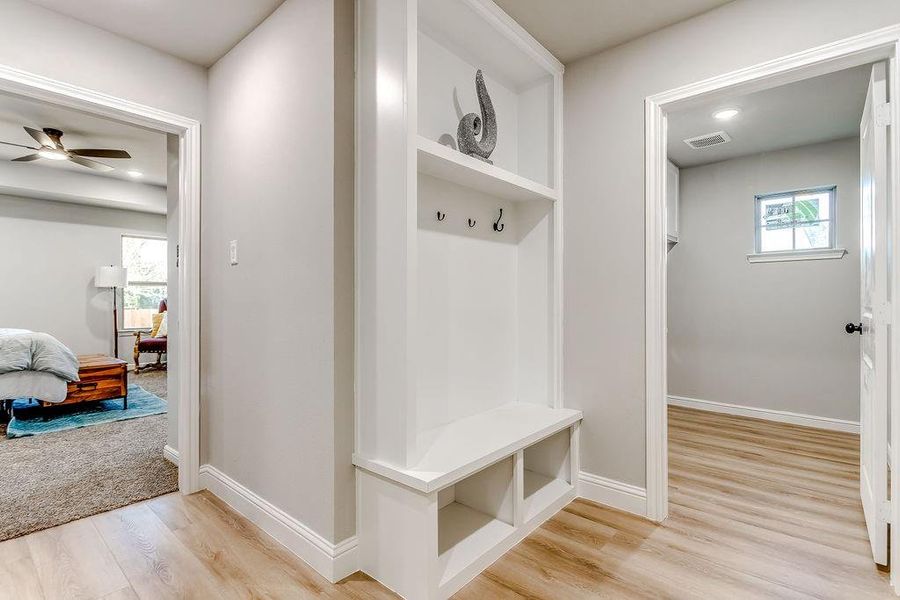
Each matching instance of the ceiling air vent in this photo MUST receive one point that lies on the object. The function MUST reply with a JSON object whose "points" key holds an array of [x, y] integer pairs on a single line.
{"points": [[707, 140]]}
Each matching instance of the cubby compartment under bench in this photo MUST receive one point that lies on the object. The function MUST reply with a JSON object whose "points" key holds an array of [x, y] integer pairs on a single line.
{"points": [[479, 490]]}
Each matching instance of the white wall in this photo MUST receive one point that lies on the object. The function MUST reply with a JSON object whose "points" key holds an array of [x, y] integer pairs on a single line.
{"points": [[765, 335], [604, 205], [51, 251], [276, 398]]}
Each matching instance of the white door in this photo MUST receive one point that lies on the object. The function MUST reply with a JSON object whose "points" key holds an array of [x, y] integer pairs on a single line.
{"points": [[874, 369]]}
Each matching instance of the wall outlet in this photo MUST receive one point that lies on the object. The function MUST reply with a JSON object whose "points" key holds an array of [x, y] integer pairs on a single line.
{"points": [[233, 252]]}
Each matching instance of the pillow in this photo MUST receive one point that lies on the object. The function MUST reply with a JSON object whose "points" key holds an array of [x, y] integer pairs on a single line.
{"points": [[163, 330], [157, 321]]}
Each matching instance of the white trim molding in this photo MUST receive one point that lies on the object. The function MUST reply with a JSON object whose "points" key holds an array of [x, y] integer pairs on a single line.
{"points": [[792, 255], [170, 454], [655, 277], [767, 414], [612, 493], [187, 341], [332, 561]]}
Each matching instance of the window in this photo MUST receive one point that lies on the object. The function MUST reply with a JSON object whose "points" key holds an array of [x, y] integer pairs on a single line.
{"points": [[795, 221], [146, 261]]}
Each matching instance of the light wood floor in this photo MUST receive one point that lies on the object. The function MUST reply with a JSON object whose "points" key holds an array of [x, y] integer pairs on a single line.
{"points": [[758, 510]]}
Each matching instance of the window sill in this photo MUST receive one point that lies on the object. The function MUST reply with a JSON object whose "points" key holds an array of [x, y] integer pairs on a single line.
{"points": [[825, 254]]}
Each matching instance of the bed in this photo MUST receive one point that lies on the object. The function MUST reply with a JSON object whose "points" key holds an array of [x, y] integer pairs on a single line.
{"points": [[34, 365]]}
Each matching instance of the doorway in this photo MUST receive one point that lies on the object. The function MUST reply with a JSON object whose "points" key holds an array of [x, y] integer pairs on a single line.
{"points": [[186, 135], [878, 46]]}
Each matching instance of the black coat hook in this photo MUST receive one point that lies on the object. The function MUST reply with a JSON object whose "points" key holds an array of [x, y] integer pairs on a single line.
{"points": [[497, 225], [471, 223], [441, 216]]}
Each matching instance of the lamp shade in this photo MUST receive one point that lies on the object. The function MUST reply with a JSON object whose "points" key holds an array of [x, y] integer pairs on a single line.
{"points": [[110, 276]]}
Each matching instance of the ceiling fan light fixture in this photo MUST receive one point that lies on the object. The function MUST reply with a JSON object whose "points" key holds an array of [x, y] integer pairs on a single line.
{"points": [[52, 154]]}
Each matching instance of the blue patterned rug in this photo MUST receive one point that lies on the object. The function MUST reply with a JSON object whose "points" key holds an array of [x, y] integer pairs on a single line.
{"points": [[29, 416]]}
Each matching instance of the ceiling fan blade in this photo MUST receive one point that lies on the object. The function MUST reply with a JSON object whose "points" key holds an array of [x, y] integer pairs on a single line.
{"points": [[90, 164], [100, 153], [40, 137], [27, 158], [19, 145]]}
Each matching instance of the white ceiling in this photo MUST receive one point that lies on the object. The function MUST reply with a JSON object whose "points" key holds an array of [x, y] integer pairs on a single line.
{"points": [[202, 31], [66, 181], [199, 31], [807, 112], [573, 29]]}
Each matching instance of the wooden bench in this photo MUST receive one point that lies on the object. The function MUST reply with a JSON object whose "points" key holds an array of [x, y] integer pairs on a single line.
{"points": [[101, 378]]}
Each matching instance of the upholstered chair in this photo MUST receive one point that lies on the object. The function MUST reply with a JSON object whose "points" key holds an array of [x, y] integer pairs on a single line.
{"points": [[154, 343]]}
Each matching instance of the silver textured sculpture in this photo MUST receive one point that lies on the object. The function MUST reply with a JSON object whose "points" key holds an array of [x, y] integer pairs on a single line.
{"points": [[470, 126]]}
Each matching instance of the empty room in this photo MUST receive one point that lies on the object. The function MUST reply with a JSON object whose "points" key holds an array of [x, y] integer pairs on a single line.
{"points": [[772, 261]]}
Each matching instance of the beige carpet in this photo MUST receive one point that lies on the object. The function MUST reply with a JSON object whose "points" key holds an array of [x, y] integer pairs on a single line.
{"points": [[55, 478], [152, 381]]}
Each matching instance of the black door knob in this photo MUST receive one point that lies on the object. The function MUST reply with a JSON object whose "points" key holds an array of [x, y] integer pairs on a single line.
{"points": [[850, 328]]}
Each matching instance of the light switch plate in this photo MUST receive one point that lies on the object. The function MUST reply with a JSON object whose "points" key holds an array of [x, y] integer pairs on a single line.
{"points": [[233, 252]]}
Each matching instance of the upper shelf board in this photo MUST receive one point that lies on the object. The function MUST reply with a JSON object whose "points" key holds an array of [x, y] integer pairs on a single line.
{"points": [[451, 165], [466, 446], [479, 32]]}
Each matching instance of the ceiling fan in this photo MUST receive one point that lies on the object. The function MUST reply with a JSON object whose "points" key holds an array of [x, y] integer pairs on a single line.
{"points": [[51, 148]]}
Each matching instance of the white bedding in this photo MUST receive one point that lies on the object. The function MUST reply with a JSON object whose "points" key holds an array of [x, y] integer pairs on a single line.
{"points": [[32, 384]]}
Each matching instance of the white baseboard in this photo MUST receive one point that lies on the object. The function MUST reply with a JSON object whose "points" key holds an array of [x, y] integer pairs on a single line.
{"points": [[171, 454], [332, 561], [612, 493], [780, 416]]}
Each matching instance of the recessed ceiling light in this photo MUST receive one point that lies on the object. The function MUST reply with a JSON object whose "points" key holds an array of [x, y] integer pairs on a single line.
{"points": [[52, 154], [726, 114], [135, 174]]}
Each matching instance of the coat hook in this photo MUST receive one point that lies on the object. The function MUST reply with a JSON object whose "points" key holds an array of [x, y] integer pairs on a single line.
{"points": [[497, 225], [441, 216], [471, 223]]}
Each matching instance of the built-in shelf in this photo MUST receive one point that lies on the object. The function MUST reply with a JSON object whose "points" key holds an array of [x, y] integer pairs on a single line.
{"points": [[463, 447], [464, 535], [457, 388], [451, 165], [541, 491]]}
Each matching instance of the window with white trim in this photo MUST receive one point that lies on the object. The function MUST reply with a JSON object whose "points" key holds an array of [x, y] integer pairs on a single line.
{"points": [[147, 262], [795, 221]]}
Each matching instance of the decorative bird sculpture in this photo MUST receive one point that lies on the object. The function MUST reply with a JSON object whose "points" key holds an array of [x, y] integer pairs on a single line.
{"points": [[471, 125]]}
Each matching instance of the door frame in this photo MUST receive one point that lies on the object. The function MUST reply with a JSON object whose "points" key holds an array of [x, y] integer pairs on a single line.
{"points": [[881, 44], [187, 340]]}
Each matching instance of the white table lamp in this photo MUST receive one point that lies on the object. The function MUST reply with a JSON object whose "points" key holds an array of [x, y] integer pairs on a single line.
{"points": [[112, 277]]}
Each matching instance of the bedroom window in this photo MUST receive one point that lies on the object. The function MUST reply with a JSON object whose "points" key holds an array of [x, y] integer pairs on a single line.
{"points": [[795, 221], [147, 261]]}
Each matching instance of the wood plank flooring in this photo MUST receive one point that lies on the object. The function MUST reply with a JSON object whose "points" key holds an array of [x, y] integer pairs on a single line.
{"points": [[758, 510]]}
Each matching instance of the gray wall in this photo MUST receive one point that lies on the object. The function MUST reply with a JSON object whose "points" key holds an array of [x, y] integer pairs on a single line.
{"points": [[51, 251], [90, 57], [765, 335], [276, 342], [276, 397], [604, 206]]}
